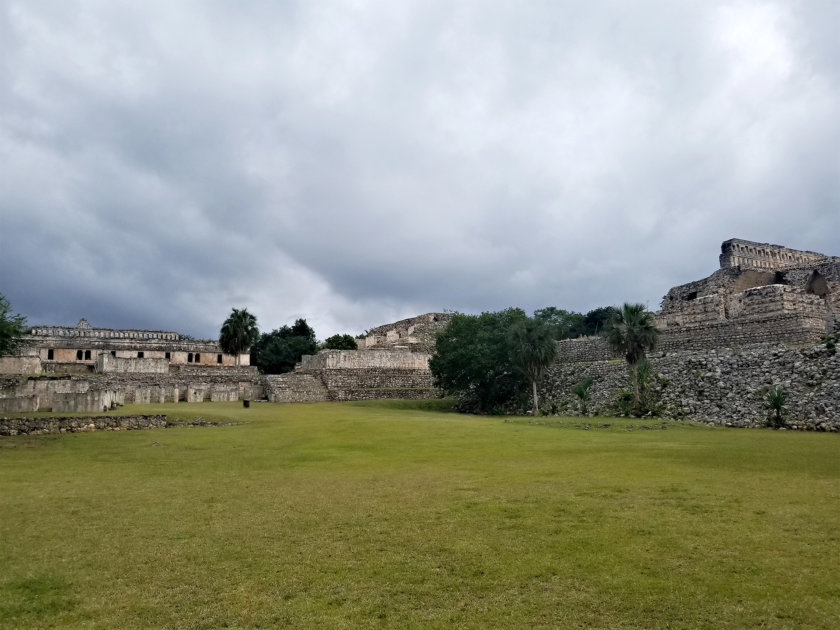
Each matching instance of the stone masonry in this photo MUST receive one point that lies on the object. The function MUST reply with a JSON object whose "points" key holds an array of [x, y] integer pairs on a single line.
{"points": [[758, 321]]}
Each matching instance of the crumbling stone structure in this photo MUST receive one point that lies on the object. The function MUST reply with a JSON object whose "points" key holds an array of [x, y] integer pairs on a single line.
{"points": [[355, 375], [756, 322], [85, 369], [78, 350], [761, 293], [416, 333]]}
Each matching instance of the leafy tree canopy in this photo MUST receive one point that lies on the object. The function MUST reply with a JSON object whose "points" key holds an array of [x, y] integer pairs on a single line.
{"points": [[570, 325], [474, 360], [278, 351], [12, 328], [340, 342]]}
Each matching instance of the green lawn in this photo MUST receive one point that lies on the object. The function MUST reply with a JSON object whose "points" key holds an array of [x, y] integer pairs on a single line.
{"points": [[399, 515]]}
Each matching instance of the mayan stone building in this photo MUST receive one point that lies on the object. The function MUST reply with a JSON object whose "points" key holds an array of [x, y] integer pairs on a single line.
{"points": [[392, 362], [761, 293], [759, 321], [86, 369]]}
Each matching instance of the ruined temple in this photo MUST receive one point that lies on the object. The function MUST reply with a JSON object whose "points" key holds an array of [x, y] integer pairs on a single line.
{"points": [[83, 369], [759, 321], [392, 362], [761, 293]]}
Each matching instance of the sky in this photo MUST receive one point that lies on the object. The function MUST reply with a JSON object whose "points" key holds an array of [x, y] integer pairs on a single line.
{"points": [[354, 163]]}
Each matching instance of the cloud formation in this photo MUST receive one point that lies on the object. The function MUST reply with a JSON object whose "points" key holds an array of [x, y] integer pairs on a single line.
{"points": [[356, 162]]}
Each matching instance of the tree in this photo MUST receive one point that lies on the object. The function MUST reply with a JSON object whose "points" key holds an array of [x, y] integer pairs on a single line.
{"points": [[340, 342], [277, 352], [533, 349], [239, 332], [596, 319], [12, 328], [563, 324], [632, 332], [473, 361]]}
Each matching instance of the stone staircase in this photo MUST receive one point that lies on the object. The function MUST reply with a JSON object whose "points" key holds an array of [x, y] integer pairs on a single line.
{"points": [[295, 387]]}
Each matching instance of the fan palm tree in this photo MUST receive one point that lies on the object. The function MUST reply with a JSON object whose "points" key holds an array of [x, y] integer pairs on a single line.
{"points": [[533, 349], [238, 333], [632, 332]]}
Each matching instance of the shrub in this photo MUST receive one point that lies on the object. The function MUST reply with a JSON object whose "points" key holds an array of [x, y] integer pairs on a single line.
{"points": [[775, 401], [583, 392]]}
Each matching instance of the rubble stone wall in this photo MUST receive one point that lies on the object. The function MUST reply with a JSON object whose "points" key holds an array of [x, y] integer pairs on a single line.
{"points": [[35, 426], [725, 386]]}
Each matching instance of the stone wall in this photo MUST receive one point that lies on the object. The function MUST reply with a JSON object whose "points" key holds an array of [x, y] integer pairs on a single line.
{"points": [[357, 359], [295, 387], [34, 426], [350, 384], [20, 365], [584, 349], [93, 392], [740, 253], [724, 386], [105, 362]]}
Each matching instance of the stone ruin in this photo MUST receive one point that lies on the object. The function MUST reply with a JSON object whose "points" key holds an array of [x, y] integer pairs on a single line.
{"points": [[416, 333], [756, 322], [392, 362], [82, 369], [761, 293]]}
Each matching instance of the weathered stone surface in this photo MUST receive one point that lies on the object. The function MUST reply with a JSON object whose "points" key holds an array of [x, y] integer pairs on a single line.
{"points": [[724, 386], [30, 426]]}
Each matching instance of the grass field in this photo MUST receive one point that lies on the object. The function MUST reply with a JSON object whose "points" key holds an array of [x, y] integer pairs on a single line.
{"points": [[399, 515]]}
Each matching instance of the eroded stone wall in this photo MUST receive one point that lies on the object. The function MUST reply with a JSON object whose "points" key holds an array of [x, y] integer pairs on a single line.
{"points": [[36, 426], [357, 359], [724, 386], [748, 254]]}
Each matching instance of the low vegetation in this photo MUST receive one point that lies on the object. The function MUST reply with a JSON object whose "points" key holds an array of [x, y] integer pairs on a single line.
{"points": [[401, 515]]}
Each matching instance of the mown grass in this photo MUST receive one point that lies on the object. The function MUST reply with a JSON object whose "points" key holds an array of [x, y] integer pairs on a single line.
{"points": [[401, 515]]}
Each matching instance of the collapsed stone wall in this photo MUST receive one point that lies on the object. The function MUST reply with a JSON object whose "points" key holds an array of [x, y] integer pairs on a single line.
{"points": [[95, 392], [725, 386], [36, 426], [415, 333]]}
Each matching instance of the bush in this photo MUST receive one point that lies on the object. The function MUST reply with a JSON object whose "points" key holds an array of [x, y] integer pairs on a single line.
{"points": [[775, 401]]}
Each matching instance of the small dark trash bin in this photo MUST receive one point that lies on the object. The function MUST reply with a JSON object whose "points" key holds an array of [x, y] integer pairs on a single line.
{"points": [[246, 403]]}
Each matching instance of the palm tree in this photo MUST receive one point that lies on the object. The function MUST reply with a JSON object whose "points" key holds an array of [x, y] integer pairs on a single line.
{"points": [[533, 349], [238, 333], [632, 332]]}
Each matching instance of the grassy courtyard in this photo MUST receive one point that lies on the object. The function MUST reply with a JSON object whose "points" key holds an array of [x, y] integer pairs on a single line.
{"points": [[400, 515]]}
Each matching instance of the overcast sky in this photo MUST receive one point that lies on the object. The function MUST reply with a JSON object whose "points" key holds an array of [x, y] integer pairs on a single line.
{"points": [[358, 162]]}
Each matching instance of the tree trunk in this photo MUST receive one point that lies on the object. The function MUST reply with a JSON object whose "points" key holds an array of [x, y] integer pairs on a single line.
{"points": [[536, 400]]}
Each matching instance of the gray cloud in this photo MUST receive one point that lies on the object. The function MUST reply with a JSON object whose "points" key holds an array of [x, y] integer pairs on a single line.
{"points": [[353, 163]]}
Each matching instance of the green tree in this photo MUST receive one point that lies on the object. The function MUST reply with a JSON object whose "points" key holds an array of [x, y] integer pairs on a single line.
{"points": [[277, 352], [12, 328], [340, 342], [563, 324], [533, 348], [632, 332], [595, 320], [238, 333], [473, 361]]}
